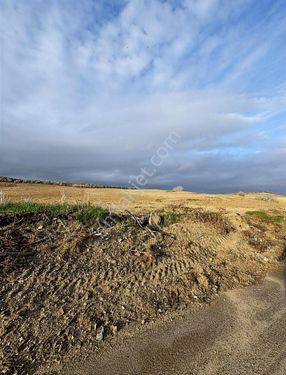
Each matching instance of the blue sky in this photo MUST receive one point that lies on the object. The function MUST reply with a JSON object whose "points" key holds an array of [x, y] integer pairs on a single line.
{"points": [[90, 90]]}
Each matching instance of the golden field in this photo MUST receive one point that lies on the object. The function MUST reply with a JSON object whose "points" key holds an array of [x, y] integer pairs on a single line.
{"points": [[141, 200]]}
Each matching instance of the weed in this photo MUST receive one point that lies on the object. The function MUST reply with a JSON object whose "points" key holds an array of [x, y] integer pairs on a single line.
{"points": [[89, 215], [170, 217], [86, 214], [264, 216]]}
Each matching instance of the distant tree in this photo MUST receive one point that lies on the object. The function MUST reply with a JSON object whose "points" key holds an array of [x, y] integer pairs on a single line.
{"points": [[178, 188]]}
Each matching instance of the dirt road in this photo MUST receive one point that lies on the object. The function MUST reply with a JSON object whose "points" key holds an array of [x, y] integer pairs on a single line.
{"points": [[244, 332]]}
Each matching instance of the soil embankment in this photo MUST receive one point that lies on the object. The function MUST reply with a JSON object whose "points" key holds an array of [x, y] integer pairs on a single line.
{"points": [[68, 289]]}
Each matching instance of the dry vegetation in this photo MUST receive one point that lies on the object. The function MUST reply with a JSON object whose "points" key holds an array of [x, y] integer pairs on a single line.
{"points": [[69, 280], [140, 200]]}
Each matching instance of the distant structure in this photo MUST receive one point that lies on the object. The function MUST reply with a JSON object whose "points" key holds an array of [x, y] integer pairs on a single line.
{"points": [[178, 188]]}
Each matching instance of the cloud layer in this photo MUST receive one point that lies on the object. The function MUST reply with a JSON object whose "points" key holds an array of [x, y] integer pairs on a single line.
{"points": [[90, 92]]}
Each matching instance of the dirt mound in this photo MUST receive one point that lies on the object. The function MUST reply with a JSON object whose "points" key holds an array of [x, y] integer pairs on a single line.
{"points": [[65, 287], [215, 219]]}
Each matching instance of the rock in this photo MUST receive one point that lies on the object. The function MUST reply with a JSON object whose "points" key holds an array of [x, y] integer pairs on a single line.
{"points": [[154, 220], [99, 333], [113, 329]]}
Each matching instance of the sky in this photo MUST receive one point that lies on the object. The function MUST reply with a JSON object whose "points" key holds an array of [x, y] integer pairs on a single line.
{"points": [[145, 93]]}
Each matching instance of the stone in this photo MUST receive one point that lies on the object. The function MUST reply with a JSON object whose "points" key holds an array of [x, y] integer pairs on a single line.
{"points": [[154, 220], [113, 329], [100, 333]]}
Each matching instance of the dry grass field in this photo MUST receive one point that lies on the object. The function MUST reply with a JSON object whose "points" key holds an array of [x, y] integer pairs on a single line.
{"points": [[141, 200]]}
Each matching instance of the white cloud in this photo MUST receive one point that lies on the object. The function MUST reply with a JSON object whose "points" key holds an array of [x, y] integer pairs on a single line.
{"points": [[93, 98]]}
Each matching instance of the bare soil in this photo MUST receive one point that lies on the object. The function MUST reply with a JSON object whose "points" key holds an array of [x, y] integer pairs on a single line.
{"points": [[66, 288], [242, 333]]}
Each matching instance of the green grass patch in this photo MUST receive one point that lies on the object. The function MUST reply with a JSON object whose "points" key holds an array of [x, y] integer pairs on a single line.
{"points": [[86, 214], [170, 217], [264, 216], [28, 207], [89, 215]]}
